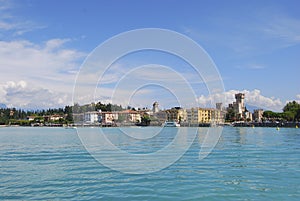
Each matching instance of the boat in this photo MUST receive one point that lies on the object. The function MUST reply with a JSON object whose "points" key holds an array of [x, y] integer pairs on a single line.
{"points": [[171, 124]]}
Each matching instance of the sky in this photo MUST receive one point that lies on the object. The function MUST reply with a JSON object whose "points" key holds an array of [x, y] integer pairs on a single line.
{"points": [[44, 46]]}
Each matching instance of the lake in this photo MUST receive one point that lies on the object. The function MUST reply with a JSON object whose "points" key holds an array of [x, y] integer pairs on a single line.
{"points": [[53, 164]]}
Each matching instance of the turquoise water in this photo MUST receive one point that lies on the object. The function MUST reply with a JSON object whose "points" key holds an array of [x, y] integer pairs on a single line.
{"points": [[246, 164]]}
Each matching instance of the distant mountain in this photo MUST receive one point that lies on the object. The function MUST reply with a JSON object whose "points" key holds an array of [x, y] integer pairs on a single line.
{"points": [[3, 106]]}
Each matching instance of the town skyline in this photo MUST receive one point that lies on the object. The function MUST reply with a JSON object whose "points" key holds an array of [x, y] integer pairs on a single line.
{"points": [[109, 115], [254, 45]]}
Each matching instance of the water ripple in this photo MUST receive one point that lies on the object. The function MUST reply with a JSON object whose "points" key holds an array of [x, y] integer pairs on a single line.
{"points": [[247, 164]]}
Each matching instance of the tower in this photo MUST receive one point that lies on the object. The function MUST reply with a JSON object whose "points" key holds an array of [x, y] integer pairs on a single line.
{"points": [[240, 104], [155, 107], [240, 99]]}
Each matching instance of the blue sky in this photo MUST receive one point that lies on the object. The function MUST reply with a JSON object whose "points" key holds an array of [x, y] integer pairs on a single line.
{"points": [[254, 44]]}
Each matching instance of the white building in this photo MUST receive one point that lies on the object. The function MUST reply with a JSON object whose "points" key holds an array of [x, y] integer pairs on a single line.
{"points": [[258, 115], [92, 117], [248, 116]]}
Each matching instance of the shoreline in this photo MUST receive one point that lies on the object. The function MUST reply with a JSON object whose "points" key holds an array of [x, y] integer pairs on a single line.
{"points": [[237, 124]]}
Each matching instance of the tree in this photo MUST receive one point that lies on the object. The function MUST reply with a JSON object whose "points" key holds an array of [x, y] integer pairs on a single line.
{"points": [[145, 120], [288, 115], [291, 106], [272, 115], [298, 115], [69, 114], [291, 111], [268, 114], [230, 115], [107, 107]]}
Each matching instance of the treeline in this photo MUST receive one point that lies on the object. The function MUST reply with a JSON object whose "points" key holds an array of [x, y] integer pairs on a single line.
{"points": [[96, 107], [20, 116], [13, 116], [291, 112]]}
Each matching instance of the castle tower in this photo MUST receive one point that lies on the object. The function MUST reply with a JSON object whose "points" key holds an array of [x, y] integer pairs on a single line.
{"points": [[240, 99], [155, 107], [240, 104]]}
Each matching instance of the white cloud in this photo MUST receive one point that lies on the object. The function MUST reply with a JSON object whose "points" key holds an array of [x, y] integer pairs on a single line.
{"points": [[55, 43], [23, 95], [50, 66], [21, 59], [253, 98]]}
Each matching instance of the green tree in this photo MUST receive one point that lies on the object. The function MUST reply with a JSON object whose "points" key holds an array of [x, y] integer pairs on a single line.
{"points": [[272, 115], [298, 115], [291, 106], [230, 116], [288, 115], [291, 111], [69, 114], [145, 120]]}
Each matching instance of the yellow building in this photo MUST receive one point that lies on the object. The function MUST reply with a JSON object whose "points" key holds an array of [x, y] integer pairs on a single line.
{"points": [[204, 115], [130, 116], [210, 115], [195, 116]]}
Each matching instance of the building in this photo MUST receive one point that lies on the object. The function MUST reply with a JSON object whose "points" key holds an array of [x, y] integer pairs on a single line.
{"points": [[218, 116], [222, 113], [248, 116], [177, 114], [237, 109], [258, 115], [129, 116], [192, 116], [205, 115], [239, 106], [109, 118], [92, 117], [125, 116], [161, 116], [54, 117], [31, 118], [155, 108]]}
